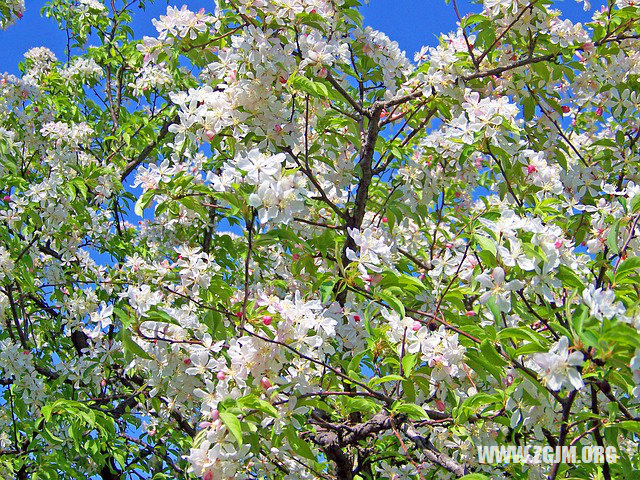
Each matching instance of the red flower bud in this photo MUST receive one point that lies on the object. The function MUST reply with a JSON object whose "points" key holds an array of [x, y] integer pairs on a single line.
{"points": [[265, 383]]}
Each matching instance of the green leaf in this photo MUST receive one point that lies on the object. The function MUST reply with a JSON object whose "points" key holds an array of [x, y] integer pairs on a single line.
{"points": [[386, 378], [359, 404], [354, 364], [394, 302], [631, 425], [487, 244], [326, 290], [143, 202], [627, 267], [412, 410], [569, 278], [520, 333], [131, 346], [408, 363], [491, 355], [307, 85], [233, 425], [298, 445], [251, 401], [612, 237]]}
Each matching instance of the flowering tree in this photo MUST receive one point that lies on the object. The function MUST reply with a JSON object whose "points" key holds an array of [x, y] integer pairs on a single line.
{"points": [[265, 244]]}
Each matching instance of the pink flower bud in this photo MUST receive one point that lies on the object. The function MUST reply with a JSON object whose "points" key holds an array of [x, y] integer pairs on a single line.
{"points": [[204, 424], [221, 376], [470, 313], [208, 475], [210, 134], [7, 198], [295, 257], [599, 111], [323, 73], [558, 244], [265, 383], [531, 169], [267, 319], [416, 326], [187, 361], [385, 219], [508, 380], [103, 382], [277, 129], [215, 415], [440, 405]]}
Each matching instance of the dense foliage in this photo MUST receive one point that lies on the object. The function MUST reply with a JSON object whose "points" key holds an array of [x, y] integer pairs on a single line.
{"points": [[266, 244]]}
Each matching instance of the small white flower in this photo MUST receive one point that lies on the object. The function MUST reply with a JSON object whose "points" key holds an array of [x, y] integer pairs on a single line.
{"points": [[556, 367], [602, 303], [101, 318], [498, 289]]}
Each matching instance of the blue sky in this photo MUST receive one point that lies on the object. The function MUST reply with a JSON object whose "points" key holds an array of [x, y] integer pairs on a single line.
{"points": [[412, 23]]}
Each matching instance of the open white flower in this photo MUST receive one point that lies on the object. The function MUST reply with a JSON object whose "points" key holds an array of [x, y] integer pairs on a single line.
{"points": [[557, 367], [101, 318], [602, 303], [497, 288]]}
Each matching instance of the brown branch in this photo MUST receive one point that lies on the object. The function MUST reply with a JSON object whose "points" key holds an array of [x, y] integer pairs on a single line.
{"points": [[133, 164]]}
